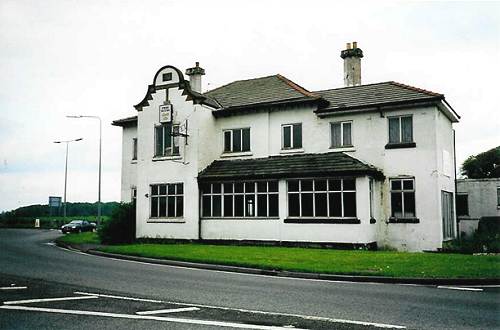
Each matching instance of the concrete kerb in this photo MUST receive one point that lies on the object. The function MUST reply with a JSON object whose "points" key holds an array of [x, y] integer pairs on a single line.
{"points": [[291, 274]]}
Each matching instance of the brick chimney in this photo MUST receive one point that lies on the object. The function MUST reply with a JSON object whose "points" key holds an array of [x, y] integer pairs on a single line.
{"points": [[352, 64], [195, 77]]}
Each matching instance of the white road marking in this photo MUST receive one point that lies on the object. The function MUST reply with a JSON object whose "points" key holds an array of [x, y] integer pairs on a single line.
{"points": [[13, 287], [146, 317], [305, 317], [458, 288], [29, 301], [50, 243], [483, 286], [172, 310]]}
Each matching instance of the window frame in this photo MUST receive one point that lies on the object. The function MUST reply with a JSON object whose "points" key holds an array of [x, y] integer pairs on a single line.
{"points": [[400, 133], [134, 148], [342, 144], [133, 194], [231, 143], [403, 191], [176, 195], [174, 141], [292, 132]]}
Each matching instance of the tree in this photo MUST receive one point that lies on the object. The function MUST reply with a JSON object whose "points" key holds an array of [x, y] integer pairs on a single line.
{"points": [[483, 165]]}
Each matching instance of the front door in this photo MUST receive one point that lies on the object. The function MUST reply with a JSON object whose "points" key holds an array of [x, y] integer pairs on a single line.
{"points": [[447, 215]]}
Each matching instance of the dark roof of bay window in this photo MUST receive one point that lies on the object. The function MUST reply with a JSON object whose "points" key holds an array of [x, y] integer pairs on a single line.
{"points": [[301, 165], [125, 121]]}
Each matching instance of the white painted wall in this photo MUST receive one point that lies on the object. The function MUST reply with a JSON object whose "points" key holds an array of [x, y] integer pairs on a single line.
{"points": [[129, 166]]}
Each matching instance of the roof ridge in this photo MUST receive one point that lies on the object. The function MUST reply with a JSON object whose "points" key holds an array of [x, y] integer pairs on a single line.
{"points": [[346, 87], [240, 80], [296, 86], [416, 89]]}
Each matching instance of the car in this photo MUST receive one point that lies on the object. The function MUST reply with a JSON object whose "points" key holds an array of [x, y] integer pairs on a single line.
{"points": [[77, 226]]}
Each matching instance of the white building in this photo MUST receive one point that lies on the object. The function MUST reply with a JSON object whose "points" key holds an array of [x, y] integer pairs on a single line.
{"points": [[267, 160]]}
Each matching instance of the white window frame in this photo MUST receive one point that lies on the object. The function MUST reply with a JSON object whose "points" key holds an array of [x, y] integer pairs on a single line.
{"points": [[176, 195], [400, 129], [342, 142], [231, 131], [174, 141], [402, 191], [292, 128]]}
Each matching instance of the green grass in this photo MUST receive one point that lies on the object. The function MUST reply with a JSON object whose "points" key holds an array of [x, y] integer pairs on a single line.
{"points": [[376, 263], [80, 238]]}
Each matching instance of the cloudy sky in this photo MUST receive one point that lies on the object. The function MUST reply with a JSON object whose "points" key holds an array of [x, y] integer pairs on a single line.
{"points": [[59, 58]]}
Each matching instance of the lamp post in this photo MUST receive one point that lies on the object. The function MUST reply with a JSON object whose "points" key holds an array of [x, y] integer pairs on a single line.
{"points": [[100, 148], [66, 171]]}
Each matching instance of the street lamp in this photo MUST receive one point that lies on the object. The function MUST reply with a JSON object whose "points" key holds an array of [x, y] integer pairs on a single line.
{"points": [[100, 147], [66, 170]]}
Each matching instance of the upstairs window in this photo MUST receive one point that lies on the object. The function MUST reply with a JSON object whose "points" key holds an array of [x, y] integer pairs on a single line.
{"points": [[166, 140], [403, 198], [341, 134], [400, 129], [291, 136], [134, 148], [237, 140]]}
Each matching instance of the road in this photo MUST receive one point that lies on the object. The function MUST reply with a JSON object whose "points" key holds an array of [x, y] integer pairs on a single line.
{"points": [[106, 293]]}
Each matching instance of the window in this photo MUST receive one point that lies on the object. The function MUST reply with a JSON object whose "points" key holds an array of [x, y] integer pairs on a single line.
{"points": [[291, 136], [133, 193], [240, 199], [402, 198], [134, 148], [341, 134], [166, 140], [167, 200], [371, 199], [400, 129], [498, 196], [237, 140], [167, 76], [462, 205], [322, 198]]}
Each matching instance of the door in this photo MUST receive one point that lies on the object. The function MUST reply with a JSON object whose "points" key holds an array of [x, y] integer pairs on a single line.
{"points": [[447, 214]]}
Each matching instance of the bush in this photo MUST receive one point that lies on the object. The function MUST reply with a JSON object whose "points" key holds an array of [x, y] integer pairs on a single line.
{"points": [[476, 243], [120, 228]]}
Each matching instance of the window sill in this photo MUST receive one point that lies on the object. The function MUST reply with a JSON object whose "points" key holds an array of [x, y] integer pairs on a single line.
{"points": [[403, 220], [161, 158], [400, 145], [323, 220], [166, 220], [342, 149], [133, 161], [291, 151], [236, 154], [240, 219]]}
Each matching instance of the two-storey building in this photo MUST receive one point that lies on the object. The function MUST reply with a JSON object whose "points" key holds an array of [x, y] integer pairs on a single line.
{"points": [[265, 159]]}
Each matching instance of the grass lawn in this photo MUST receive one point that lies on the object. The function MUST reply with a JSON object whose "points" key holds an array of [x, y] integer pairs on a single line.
{"points": [[80, 238], [348, 262]]}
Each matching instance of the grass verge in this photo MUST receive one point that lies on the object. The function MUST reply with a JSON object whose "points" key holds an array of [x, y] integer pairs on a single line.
{"points": [[80, 238]]}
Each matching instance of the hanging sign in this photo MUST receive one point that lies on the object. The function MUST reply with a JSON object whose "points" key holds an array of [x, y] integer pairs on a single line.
{"points": [[166, 113]]}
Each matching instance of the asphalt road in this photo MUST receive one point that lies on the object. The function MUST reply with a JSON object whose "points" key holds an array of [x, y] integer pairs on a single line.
{"points": [[183, 298]]}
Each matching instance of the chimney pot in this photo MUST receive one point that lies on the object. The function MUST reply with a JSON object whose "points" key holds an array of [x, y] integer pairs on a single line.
{"points": [[348, 45], [354, 44]]}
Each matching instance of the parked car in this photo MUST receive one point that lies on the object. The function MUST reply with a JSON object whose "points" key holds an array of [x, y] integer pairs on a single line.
{"points": [[77, 226]]}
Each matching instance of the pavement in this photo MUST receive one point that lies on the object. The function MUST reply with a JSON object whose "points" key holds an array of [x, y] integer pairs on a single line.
{"points": [[96, 292]]}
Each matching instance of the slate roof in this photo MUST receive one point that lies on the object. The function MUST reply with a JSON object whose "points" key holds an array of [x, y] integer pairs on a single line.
{"points": [[125, 121], [306, 165], [269, 89]]}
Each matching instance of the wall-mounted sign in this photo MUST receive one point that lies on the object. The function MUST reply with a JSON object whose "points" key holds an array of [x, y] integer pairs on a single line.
{"points": [[166, 113], [54, 201]]}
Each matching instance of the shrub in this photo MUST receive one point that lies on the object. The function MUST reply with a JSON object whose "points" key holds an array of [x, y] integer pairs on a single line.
{"points": [[120, 228], [476, 243]]}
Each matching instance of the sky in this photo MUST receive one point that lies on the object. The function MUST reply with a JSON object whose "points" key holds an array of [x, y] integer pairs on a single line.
{"points": [[60, 58]]}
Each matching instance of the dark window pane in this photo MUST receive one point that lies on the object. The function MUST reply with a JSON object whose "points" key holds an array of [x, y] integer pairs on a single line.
{"points": [[207, 206], [406, 129], [293, 205], [273, 205], [163, 189], [249, 205], [306, 185], [396, 205], [180, 206], [334, 185], [394, 130], [293, 185], [346, 134], [228, 187], [409, 203], [273, 185], [320, 185], [297, 135], [134, 151], [335, 204], [395, 184], [238, 205], [349, 184], [249, 187], [462, 205], [307, 205], [336, 137], [287, 137], [350, 204], [154, 190], [238, 187], [171, 189], [408, 184], [180, 189], [171, 206], [154, 207], [167, 136], [246, 139], [205, 188], [262, 205], [262, 186], [321, 205], [236, 140], [159, 141], [175, 151], [216, 188], [227, 141], [163, 207], [216, 206], [228, 205]]}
